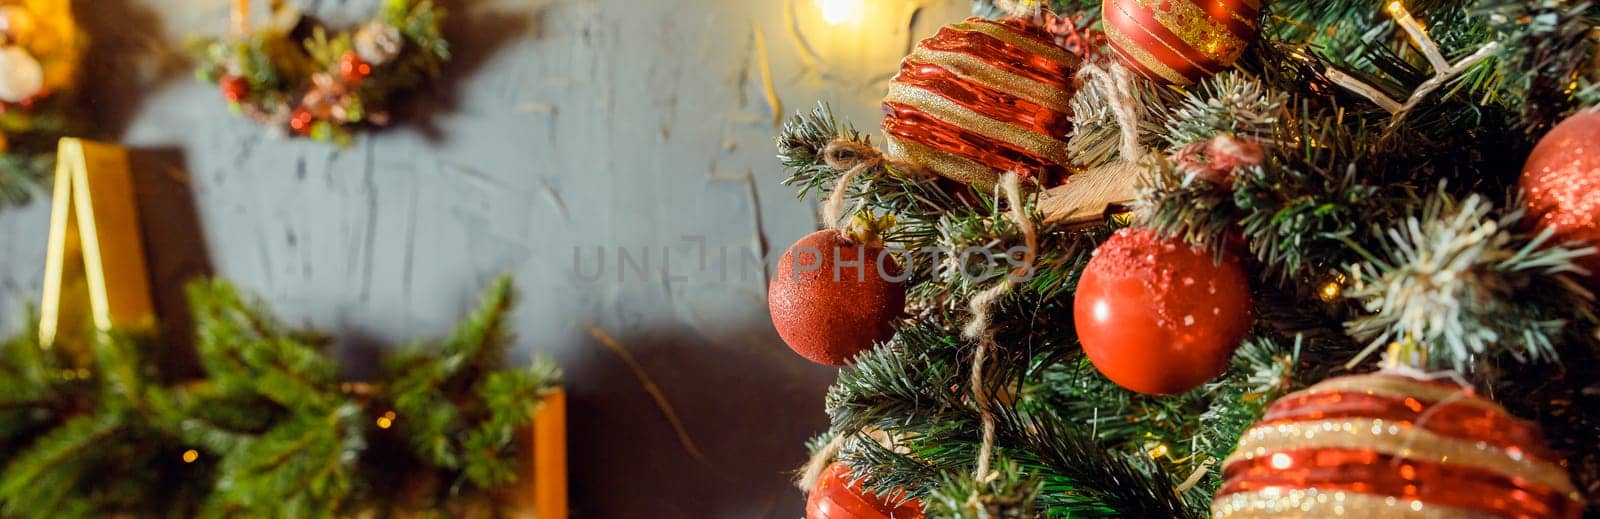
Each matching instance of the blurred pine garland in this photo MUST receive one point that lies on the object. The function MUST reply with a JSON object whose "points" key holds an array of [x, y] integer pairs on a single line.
{"points": [[270, 430]]}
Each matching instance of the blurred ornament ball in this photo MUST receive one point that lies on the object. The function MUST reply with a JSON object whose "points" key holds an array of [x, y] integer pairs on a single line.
{"points": [[1179, 42], [1158, 317], [1390, 445], [981, 98], [1561, 185]]}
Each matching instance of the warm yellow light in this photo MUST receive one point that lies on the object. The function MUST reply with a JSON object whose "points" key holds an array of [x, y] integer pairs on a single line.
{"points": [[387, 420], [1395, 7], [1159, 450], [840, 12], [189, 456], [1330, 291]]}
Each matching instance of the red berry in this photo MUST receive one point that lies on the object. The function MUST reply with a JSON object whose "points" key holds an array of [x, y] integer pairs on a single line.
{"points": [[301, 120], [1158, 317], [234, 88], [832, 298], [353, 69]]}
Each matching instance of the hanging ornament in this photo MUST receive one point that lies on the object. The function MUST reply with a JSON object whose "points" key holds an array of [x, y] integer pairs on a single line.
{"points": [[981, 98], [1158, 317], [834, 295], [837, 497], [1561, 184], [1179, 42], [1389, 444], [21, 76]]}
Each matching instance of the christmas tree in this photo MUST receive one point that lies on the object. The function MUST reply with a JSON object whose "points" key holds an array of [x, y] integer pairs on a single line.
{"points": [[1307, 188]]}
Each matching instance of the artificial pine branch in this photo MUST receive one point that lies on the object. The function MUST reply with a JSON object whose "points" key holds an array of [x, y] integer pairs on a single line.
{"points": [[1465, 285]]}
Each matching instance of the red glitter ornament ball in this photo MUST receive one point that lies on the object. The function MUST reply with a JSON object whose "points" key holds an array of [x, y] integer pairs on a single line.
{"points": [[836, 497], [1179, 41], [353, 69], [234, 88], [832, 298], [1158, 317], [1561, 184], [1389, 445], [981, 98]]}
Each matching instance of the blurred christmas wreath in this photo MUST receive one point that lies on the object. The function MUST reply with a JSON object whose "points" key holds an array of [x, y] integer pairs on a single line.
{"points": [[293, 74], [40, 48]]}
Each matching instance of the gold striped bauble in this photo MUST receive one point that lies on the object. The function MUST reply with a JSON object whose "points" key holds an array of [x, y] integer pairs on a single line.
{"points": [[1389, 445], [1179, 41], [982, 98]]}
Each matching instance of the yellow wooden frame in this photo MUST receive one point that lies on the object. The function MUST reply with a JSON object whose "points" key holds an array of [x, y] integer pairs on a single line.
{"points": [[95, 261]]}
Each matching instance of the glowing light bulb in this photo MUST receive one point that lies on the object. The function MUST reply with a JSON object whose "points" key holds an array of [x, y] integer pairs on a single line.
{"points": [[189, 456], [840, 12]]}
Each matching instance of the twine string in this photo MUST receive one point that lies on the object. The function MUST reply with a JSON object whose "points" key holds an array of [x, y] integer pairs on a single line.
{"points": [[982, 306]]}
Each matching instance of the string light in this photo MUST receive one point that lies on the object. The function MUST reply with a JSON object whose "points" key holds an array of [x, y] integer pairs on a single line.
{"points": [[1159, 450], [840, 12], [387, 420], [1330, 291], [189, 456]]}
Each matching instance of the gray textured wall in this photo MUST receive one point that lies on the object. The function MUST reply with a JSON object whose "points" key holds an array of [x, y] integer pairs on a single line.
{"points": [[563, 124]]}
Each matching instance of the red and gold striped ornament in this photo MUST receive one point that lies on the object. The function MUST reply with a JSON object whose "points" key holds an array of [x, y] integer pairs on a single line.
{"points": [[1390, 445], [1179, 42], [981, 98]]}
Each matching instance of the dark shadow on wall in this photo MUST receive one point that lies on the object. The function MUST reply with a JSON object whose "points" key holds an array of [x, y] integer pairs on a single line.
{"points": [[175, 250], [475, 35], [128, 58], [736, 399]]}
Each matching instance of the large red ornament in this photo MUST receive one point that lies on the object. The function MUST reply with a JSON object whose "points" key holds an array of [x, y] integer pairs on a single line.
{"points": [[1158, 317], [1561, 184], [1179, 41], [832, 298], [1389, 445], [982, 98], [836, 497]]}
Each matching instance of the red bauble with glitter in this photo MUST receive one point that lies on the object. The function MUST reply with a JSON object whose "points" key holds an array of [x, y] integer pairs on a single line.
{"points": [[832, 297], [1390, 445], [982, 98], [1179, 41], [353, 69], [234, 88], [1561, 184], [836, 497], [1158, 317]]}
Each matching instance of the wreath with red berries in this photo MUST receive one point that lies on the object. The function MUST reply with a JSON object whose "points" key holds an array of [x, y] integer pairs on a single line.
{"points": [[293, 75]]}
